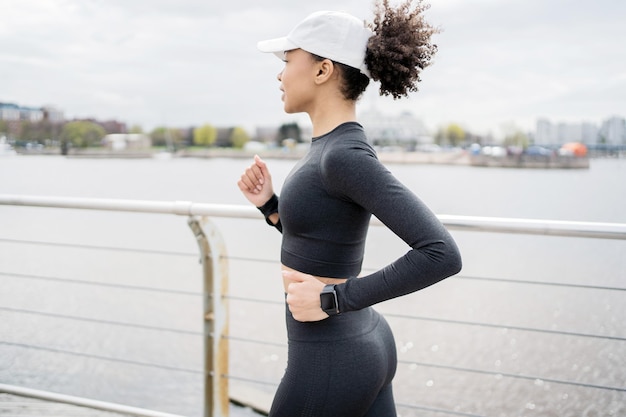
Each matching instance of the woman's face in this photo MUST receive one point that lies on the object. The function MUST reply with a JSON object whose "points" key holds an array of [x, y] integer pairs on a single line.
{"points": [[297, 81]]}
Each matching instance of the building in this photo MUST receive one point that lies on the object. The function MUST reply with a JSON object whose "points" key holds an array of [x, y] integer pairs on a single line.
{"points": [[52, 114], [556, 134], [266, 134], [112, 126], [13, 112], [590, 133], [403, 130], [9, 111], [613, 131], [127, 141], [545, 132], [31, 114]]}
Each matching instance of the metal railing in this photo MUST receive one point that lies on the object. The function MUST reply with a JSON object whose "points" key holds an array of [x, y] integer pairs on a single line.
{"points": [[80, 402], [215, 293], [188, 208]]}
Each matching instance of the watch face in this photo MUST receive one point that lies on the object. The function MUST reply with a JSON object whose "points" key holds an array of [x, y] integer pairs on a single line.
{"points": [[328, 301]]}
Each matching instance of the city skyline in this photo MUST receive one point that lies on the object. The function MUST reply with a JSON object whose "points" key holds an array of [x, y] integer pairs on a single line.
{"points": [[401, 126], [189, 63]]}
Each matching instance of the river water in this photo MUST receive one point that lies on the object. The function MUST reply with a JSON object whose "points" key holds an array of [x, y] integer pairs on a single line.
{"points": [[483, 370]]}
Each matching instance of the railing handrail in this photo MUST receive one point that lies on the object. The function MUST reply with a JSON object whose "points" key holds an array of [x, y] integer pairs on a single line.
{"points": [[215, 274], [600, 230], [81, 402]]}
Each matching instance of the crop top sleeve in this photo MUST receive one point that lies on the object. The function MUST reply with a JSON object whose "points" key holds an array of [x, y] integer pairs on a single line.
{"points": [[325, 207]]}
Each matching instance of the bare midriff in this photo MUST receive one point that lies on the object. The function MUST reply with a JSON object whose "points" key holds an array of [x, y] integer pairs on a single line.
{"points": [[325, 280]]}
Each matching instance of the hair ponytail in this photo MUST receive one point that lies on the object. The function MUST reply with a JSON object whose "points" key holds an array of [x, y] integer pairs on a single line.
{"points": [[400, 47]]}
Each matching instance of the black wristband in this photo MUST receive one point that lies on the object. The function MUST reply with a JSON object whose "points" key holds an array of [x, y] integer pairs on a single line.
{"points": [[270, 207]]}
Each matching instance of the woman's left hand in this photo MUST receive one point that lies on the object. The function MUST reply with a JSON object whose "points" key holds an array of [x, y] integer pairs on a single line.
{"points": [[303, 296]]}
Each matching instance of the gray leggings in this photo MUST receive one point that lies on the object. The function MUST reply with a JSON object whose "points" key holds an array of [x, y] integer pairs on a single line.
{"points": [[338, 367]]}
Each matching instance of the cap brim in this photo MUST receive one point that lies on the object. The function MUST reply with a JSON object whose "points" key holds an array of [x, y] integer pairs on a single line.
{"points": [[277, 46]]}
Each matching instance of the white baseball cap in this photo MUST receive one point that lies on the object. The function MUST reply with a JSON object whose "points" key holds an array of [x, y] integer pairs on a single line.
{"points": [[337, 36]]}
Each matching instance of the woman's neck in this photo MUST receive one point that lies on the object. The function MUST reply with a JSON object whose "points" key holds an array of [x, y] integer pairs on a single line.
{"points": [[333, 113]]}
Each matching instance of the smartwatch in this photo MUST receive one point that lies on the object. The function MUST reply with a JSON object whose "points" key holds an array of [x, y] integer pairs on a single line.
{"points": [[328, 300]]}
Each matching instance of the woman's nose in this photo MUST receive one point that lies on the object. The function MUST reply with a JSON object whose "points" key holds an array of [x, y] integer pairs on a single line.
{"points": [[279, 76]]}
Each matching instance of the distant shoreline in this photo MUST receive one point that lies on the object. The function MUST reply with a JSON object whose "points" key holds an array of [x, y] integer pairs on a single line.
{"points": [[445, 158], [457, 157]]}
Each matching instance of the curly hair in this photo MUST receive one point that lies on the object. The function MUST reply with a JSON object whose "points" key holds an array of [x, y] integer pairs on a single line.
{"points": [[400, 48], [396, 54]]}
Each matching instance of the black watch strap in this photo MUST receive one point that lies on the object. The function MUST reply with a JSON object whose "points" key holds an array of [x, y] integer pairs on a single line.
{"points": [[328, 300]]}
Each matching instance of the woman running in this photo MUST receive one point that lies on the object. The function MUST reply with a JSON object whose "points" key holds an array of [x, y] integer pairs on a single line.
{"points": [[342, 354]]}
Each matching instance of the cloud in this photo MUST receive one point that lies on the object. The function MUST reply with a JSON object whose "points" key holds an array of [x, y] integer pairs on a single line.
{"points": [[518, 60], [190, 62]]}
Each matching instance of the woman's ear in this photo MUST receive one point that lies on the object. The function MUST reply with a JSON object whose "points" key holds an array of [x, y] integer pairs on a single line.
{"points": [[325, 70]]}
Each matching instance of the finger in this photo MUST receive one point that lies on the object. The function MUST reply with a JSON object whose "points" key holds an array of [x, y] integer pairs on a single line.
{"points": [[246, 188], [247, 184], [251, 178], [262, 166], [257, 172]]}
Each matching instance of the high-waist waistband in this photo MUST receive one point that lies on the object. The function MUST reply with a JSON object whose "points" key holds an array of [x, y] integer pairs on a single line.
{"points": [[342, 326]]}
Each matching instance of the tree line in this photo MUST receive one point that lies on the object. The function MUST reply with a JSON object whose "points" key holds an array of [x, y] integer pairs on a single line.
{"points": [[89, 134], [454, 135]]}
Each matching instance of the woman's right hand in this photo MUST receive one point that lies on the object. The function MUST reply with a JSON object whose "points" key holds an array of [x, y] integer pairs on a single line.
{"points": [[256, 183]]}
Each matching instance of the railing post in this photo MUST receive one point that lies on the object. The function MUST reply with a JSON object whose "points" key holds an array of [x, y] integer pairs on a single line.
{"points": [[215, 272]]}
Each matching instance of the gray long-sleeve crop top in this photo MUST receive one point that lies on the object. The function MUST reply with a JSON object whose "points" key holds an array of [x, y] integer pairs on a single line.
{"points": [[325, 207]]}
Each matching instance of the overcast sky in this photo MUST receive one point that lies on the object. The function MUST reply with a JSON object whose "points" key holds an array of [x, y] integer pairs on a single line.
{"points": [[189, 62]]}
